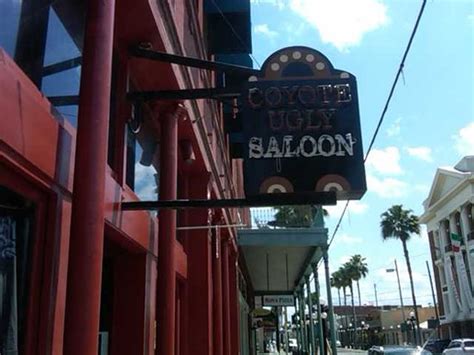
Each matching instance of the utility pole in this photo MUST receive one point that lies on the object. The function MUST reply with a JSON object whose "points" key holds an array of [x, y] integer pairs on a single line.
{"points": [[376, 299], [400, 291], [433, 294], [401, 297]]}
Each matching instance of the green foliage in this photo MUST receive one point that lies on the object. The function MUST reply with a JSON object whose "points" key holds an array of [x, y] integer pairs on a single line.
{"points": [[357, 267], [399, 223], [296, 216]]}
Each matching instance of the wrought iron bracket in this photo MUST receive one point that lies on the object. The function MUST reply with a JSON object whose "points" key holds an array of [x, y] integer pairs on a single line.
{"points": [[264, 200], [140, 52]]}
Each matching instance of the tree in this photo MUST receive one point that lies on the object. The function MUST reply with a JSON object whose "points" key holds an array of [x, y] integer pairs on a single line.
{"points": [[398, 223], [358, 269], [336, 282], [350, 275], [296, 216]]}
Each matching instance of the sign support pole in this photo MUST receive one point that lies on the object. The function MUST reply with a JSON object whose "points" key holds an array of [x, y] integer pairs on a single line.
{"points": [[311, 323], [330, 305], [320, 318]]}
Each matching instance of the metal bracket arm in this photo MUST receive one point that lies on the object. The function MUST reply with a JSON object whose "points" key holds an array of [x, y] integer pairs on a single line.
{"points": [[265, 200], [139, 52], [187, 94]]}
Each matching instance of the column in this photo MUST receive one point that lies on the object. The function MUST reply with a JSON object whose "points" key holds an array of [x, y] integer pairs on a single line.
{"points": [[460, 267], [451, 301], [87, 221], [465, 230], [304, 337], [199, 281], [218, 333], [311, 321], [297, 325], [320, 319], [166, 290], [226, 294], [234, 303], [330, 305]]}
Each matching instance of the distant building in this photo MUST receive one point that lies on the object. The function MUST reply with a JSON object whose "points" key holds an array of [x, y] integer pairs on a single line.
{"points": [[385, 325], [449, 211]]}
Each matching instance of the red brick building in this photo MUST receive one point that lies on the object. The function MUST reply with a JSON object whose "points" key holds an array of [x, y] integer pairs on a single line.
{"points": [[78, 274]]}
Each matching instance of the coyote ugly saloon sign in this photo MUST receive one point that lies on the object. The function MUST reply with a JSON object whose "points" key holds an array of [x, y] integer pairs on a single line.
{"points": [[301, 127]]}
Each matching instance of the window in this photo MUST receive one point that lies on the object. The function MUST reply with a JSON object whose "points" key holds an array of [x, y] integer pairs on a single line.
{"points": [[15, 268], [454, 344], [53, 59], [142, 173]]}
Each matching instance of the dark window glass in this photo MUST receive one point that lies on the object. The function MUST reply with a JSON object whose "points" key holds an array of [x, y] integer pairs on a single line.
{"points": [[142, 164], [45, 40], [15, 256], [60, 48]]}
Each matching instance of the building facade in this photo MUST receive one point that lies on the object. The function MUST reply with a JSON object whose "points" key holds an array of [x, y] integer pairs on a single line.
{"points": [[449, 211], [78, 273]]}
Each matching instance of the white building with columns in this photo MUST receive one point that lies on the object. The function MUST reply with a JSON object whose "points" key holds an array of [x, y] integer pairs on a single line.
{"points": [[449, 217]]}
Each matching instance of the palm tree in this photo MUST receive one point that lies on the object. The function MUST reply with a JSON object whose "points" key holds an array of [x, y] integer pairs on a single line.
{"points": [[336, 282], [351, 274], [298, 216], [398, 223], [359, 270]]}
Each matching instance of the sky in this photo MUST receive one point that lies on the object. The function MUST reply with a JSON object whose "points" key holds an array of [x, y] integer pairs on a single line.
{"points": [[429, 124]]}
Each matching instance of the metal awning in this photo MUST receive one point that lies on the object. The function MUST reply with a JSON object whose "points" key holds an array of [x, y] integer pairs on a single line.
{"points": [[278, 259]]}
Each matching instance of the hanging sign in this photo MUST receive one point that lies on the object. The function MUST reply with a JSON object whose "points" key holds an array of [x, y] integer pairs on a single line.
{"points": [[301, 127], [279, 301]]}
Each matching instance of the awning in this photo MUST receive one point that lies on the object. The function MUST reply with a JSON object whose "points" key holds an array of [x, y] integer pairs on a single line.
{"points": [[278, 259]]}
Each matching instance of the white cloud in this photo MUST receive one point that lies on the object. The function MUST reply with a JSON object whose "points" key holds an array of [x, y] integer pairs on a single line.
{"points": [[280, 4], [394, 129], [145, 183], [385, 161], [464, 140], [344, 259], [423, 153], [355, 207], [386, 187], [342, 23], [347, 239], [263, 29]]}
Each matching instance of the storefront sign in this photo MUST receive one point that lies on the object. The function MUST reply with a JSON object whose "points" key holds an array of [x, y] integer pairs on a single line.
{"points": [[301, 127], [279, 301]]}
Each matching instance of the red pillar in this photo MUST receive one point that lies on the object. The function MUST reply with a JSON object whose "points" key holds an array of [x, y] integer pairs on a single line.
{"points": [[166, 287], [87, 221], [226, 295], [217, 294], [234, 304], [198, 242]]}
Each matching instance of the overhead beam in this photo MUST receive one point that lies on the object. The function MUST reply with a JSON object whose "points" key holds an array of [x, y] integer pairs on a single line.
{"points": [[264, 200], [188, 94], [140, 52], [62, 66]]}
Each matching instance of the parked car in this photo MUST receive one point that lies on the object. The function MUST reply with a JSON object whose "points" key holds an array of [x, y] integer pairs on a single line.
{"points": [[435, 346], [292, 345], [394, 350], [460, 346]]}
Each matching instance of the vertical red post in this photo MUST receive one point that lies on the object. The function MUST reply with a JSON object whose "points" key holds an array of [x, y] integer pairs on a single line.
{"points": [[234, 304], [225, 295], [218, 335], [166, 288], [87, 222]]}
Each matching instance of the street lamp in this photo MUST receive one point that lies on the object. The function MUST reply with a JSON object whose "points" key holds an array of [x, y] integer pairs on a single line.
{"points": [[399, 291]]}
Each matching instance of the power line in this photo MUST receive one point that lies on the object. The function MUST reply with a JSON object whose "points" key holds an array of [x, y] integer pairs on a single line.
{"points": [[387, 103], [235, 33]]}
